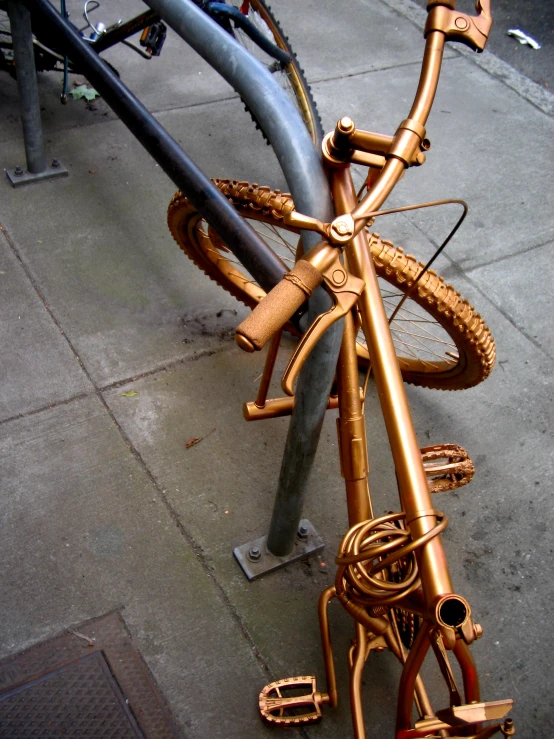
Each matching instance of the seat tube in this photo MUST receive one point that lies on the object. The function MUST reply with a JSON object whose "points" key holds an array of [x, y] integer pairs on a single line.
{"points": [[351, 429], [412, 481]]}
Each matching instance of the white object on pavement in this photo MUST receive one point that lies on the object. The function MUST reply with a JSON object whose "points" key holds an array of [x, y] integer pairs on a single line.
{"points": [[523, 38]]}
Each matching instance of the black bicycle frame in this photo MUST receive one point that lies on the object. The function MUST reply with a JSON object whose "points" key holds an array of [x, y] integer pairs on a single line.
{"points": [[240, 237], [121, 33], [220, 12]]}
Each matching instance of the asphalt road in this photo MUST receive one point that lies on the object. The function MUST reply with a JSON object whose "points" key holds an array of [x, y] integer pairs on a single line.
{"points": [[533, 17]]}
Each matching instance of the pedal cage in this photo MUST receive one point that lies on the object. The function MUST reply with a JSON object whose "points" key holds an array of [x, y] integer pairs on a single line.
{"points": [[274, 704], [153, 37], [447, 466], [468, 718]]}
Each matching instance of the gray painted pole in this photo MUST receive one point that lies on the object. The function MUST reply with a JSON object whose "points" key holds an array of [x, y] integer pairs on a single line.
{"points": [[308, 184], [24, 55], [22, 37]]}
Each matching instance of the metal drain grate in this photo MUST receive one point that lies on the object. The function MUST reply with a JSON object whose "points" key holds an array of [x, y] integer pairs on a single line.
{"points": [[81, 700], [83, 687]]}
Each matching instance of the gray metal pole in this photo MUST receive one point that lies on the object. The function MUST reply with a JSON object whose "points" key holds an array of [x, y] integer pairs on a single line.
{"points": [[308, 184], [22, 39]]}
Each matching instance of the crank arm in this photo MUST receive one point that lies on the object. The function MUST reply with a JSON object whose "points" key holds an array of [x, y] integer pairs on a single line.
{"points": [[344, 289]]}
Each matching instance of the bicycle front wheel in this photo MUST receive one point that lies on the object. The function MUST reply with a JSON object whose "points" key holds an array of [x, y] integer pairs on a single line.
{"points": [[440, 340], [289, 76]]}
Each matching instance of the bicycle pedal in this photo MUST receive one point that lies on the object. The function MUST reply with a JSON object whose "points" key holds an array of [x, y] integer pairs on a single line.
{"points": [[153, 38], [280, 709], [466, 717], [475, 713], [447, 466]]}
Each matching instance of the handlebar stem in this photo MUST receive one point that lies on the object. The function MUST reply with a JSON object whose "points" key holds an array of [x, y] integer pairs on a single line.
{"points": [[393, 169]]}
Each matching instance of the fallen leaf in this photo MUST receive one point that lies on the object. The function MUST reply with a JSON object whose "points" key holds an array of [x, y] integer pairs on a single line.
{"points": [[92, 171], [84, 91], [129, 394], [197, 439]]}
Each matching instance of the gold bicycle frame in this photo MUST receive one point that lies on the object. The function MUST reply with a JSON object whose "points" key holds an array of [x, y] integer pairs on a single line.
{"points": [[407, 544]]}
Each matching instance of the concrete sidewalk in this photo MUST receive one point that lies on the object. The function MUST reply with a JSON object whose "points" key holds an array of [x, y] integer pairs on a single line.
{"points": [[103, 507]]}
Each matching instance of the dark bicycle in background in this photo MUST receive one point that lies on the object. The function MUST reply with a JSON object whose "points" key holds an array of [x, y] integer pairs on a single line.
{"points": [[252, 24]]}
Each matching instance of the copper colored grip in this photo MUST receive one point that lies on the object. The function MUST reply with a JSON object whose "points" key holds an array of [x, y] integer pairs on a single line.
{"points": [[278, 306], [447, 4]]}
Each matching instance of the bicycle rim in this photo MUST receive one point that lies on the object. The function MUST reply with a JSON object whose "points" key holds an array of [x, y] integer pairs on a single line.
{"points": [[290, 77]]}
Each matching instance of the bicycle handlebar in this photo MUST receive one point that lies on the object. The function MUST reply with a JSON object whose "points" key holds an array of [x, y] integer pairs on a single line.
{"points": [[447, 3], [278, 306], [284, 300]]}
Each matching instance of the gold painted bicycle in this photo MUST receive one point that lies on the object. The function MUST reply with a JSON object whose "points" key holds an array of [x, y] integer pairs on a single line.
{"points": [[401, 322]]}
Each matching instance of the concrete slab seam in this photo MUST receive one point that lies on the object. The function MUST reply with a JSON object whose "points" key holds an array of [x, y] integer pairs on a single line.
{"points": [[485, 295], [42, 299], [119, 383], [363, 72], [97, 390], [173, 514], [201, 104], [193, 544], [489, 62], [201, 354], [155, 113], [503, 258], [506, 315], [50, 406]]}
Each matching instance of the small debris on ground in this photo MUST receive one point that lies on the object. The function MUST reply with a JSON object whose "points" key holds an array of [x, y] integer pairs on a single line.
{"points": [[84, 91], [197, 439], [88, 639], [129, 394], [523, 38]]}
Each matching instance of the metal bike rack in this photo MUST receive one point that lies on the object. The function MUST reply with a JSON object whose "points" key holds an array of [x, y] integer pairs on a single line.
{"points": [[22, 39], [288, 538]]}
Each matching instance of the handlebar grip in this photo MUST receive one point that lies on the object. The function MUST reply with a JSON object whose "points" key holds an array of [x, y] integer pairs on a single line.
{"points": [[447, 4], [278, 306]]}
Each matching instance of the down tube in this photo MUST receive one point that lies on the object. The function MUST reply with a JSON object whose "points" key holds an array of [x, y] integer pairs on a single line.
{"points": [[412, 480], [308, 184]]}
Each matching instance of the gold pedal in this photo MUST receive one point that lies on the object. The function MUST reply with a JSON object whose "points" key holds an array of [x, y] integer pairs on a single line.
{"points": [[475, 713], [281, 704], [465, 717], [447, 466]]}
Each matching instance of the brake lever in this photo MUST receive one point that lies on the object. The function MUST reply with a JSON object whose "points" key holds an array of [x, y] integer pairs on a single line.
{"points": [[344, 290], [471, 30]]}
